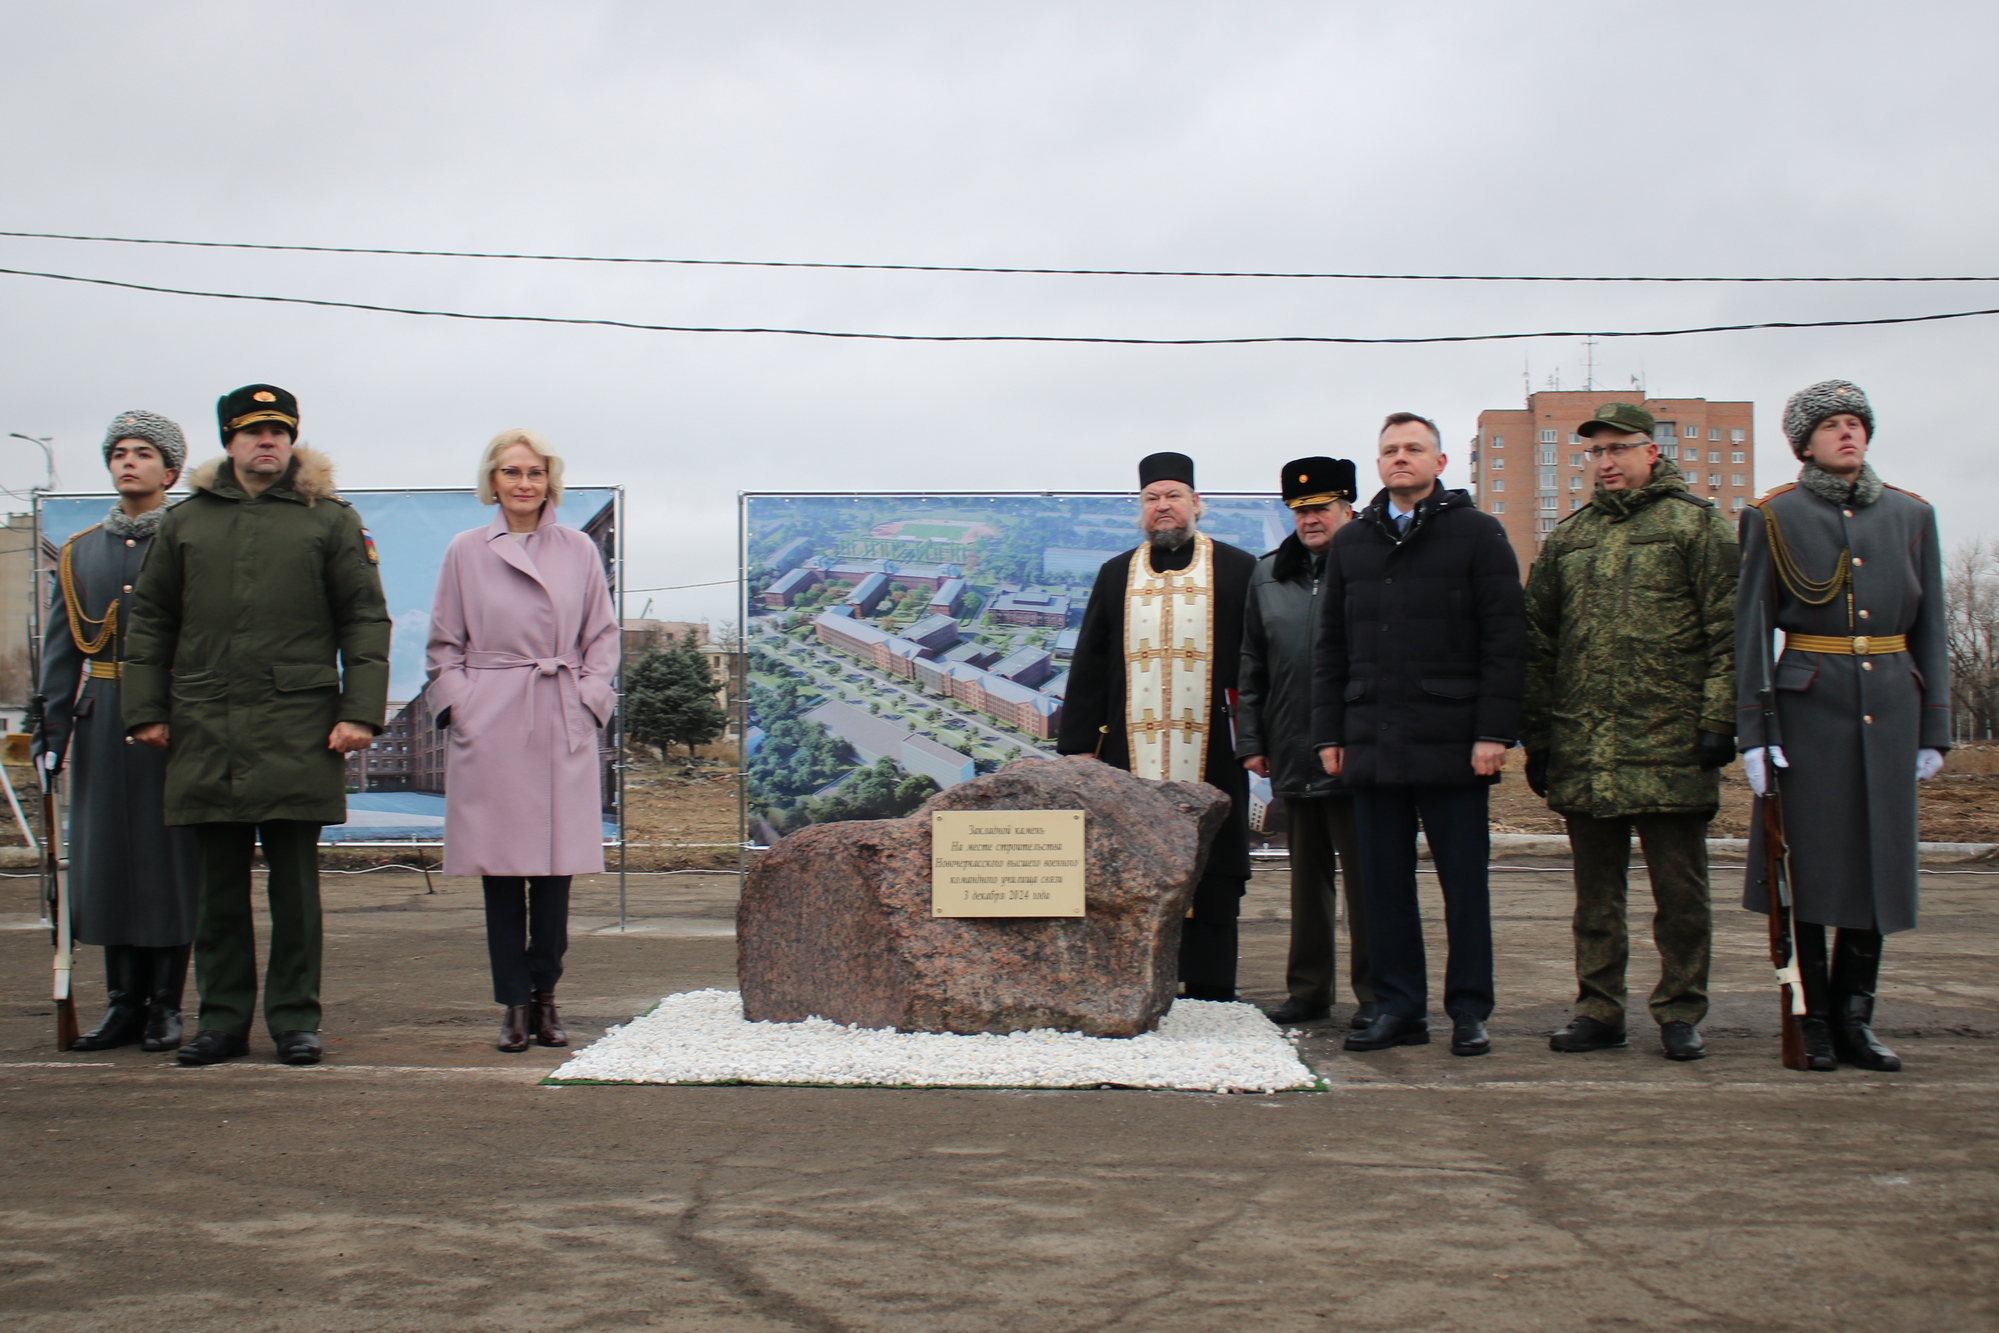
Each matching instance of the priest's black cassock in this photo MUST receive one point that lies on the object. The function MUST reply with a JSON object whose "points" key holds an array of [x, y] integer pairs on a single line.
{"points": [[1093, 722]]}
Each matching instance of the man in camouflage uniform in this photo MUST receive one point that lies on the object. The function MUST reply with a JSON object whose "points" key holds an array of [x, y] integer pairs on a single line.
{"points": [[1630, 712]]}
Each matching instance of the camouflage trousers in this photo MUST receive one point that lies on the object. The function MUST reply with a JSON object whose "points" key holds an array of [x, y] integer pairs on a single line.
{"points": [[1682, 923]]}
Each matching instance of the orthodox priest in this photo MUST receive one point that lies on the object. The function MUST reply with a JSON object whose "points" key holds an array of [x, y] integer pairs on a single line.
{"points": [[132, 879], [1155, 665]]}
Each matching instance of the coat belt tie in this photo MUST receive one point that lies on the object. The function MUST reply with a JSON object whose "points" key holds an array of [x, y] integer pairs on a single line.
{"points": [[576, 721]]}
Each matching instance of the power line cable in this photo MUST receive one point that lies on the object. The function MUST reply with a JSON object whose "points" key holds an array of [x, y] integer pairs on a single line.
{"points": [[971, 268], [1008, 337]]}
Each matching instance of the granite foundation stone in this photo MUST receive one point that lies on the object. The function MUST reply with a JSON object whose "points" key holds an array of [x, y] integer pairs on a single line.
{"points": [[835, 921]]}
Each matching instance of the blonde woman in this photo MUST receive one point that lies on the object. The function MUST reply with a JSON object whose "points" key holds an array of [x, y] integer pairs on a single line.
{"points": [[523, 647]]}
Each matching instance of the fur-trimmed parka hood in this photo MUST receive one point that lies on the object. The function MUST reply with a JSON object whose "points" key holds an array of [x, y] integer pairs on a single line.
{"points": [[310, 477]]}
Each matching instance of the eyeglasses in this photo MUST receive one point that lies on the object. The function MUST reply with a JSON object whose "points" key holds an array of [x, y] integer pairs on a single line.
{"points": [[1596, 451]]}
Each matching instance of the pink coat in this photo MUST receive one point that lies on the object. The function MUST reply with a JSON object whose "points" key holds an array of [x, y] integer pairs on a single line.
{"points": [[523, 647]]}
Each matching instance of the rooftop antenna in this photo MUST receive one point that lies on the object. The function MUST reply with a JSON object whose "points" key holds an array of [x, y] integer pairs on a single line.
{"points": [[1527, 375], [1589, 362], [1555, 379]]}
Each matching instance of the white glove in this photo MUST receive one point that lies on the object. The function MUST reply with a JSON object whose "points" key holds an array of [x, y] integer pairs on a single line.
{"points": [[1754, 768], [1929, 763]]}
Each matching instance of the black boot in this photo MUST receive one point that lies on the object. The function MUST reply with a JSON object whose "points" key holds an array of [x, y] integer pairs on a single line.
{"points": [[169, 979], [1817, 1022], [1856, 968], [125, 1020]]}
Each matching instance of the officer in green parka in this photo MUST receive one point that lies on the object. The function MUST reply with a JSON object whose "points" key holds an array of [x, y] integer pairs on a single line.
{"points": [[258, 658], [1630, 715]]}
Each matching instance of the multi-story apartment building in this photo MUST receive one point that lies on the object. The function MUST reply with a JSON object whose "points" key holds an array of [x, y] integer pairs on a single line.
{"points": [[1528, 469]]}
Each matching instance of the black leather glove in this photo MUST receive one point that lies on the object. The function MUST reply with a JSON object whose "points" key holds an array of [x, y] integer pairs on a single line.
{"points": [[1537, 774], [1717, 750]]}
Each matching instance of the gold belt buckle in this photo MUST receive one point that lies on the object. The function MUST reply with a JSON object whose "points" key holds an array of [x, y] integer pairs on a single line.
{"points": [[1860, 644]]}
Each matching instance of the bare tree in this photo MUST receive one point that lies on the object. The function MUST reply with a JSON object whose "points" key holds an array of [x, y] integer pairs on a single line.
{"points": [[1971, 604]]}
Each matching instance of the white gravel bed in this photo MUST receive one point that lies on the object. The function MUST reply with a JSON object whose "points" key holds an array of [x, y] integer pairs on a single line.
{"points": [[702, 1037]]}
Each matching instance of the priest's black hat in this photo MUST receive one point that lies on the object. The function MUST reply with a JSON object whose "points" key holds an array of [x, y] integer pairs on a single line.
{"points": [[1318, 481], [253, 403], [1165, 467]]}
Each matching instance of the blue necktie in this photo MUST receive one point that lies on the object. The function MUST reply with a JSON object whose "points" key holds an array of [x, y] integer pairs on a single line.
{"points": [[1402, 524]]}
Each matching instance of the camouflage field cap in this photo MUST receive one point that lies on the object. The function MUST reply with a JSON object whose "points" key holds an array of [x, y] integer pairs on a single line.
{"points": [[1626, 417]]}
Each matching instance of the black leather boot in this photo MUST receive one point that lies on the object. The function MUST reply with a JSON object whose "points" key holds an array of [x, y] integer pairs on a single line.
{"points": [[125, 1020], [1856, 969], [169, 979], [1816, 1025], [1817, 1032]]}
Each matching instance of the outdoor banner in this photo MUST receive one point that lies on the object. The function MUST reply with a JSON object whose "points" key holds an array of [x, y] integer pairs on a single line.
{"points": [[899, 644], [395, 788]]}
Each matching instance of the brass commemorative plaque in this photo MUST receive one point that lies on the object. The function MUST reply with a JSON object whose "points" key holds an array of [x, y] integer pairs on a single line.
{"points": [[1006, 863]]}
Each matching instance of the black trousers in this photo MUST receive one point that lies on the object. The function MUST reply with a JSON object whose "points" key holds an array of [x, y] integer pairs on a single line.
{"points": [[527, 932], [1208, 937], [1321, 835], [1453, 820]]}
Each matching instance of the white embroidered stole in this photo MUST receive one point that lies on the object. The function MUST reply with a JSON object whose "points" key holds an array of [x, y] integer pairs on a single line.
{"points": [[1169, 655]]}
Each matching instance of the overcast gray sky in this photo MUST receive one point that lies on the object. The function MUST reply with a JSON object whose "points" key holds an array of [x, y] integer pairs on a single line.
{"points": [[1586, 138]]}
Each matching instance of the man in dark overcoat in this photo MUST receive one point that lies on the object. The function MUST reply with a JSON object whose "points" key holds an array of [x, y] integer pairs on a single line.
{"points": [[132, 878], [1850, 569], [259, 657], [1156, 657], [1630, 715], [1416, 697], [1273, 740]]}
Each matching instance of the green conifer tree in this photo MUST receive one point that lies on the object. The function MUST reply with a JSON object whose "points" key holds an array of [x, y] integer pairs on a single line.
{"points": [[670, 699]]}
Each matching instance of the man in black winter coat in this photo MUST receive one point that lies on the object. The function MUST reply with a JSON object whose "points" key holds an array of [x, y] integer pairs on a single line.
{"points": [[1274, 741], [1418, 679]]}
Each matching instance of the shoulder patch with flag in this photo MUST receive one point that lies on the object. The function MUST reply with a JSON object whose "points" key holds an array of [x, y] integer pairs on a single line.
{"points": [[368, 544]]}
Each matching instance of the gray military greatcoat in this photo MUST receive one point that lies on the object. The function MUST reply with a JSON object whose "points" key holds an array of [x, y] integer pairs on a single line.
{"points": [[132, 879], [1849, 724]]}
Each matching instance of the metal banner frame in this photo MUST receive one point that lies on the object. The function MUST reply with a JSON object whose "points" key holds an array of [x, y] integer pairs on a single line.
{"points": [[1126, 500], [44, 571]]}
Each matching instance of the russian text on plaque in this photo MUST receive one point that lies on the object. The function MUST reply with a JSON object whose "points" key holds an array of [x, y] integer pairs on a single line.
{"points": [[1006, 863]]}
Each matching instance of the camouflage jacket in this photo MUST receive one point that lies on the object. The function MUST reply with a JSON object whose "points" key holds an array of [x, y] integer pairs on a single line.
{"points": [[1631, 650]]}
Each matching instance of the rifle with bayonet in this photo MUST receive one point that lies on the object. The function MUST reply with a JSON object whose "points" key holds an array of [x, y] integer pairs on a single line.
{"points": [[55, 891], [1777, 874]]}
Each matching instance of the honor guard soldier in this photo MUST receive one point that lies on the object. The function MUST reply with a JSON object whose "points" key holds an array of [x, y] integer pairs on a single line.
{"points": [[1156, 659], [258, 658], [1630, 716], [1849, 568], [132, 878], [1273, 726]]}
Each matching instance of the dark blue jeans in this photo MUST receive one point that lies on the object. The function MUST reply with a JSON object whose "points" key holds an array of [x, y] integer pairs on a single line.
{"points": [[1453, 820]]}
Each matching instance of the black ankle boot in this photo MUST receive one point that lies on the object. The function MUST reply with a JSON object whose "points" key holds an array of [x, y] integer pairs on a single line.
{"points": [[1853, 1036], [125, 1019], [1819, 1055], [169, 978]]}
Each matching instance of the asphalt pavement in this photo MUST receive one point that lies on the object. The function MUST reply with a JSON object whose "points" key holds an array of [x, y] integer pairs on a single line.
{"points": [[421, 1179]]}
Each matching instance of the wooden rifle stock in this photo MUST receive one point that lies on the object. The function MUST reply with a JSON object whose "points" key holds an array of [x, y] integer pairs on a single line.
{"points": [[59, 914], [1783, 951], [1776, 850]]}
